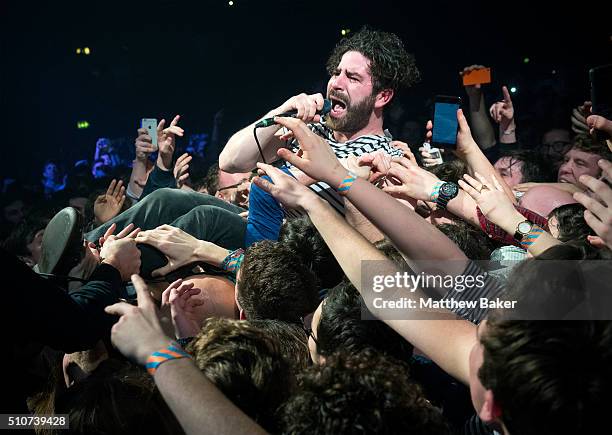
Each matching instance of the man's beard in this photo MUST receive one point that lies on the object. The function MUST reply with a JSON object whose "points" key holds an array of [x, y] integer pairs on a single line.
{"points": [[355, 118]]}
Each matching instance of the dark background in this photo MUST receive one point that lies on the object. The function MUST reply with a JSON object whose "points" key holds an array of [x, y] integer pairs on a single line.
{"points": [[162, 57]]}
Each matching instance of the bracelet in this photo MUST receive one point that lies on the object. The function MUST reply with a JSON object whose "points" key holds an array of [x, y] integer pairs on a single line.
{"points": [[509, 132], [347, 183], [436, 190], [529, 238], [165, 354], [233, 261]]}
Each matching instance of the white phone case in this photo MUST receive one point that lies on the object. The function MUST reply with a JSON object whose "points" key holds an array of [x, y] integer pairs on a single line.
{"points": [[151, 125]]}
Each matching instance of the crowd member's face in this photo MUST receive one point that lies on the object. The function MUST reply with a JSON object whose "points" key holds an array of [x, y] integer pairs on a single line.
{"points": [[36, 246], [555, 143], [50, 171], [511, 170], [234, 188], [312, 345], [350, 91], [13, 212], [577, 163]]}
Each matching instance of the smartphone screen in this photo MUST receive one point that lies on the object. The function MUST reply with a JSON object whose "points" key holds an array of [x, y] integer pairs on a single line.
{"points": [[445, 121]]}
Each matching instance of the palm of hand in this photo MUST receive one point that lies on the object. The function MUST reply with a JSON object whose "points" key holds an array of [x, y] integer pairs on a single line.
{"points": [[106, 207]]}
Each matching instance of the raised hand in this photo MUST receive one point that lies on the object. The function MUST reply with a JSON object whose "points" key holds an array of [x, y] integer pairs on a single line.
{"points": [[181, 169], [122, 254], [315, 157], [143, 145], [166, 140], [465, 142], [490, 197], [179, 246], [138, 332], [502, 112], [108, 205], [306, 106], [473, 91], [598, 213], [378, 163], [408, 181], [284, 188], [403, 146], [180, 296], [129, 232]]}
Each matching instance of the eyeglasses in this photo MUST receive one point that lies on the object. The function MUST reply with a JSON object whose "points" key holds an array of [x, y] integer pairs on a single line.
{"points": [[558, 146], [307, 326], [233, 185]]}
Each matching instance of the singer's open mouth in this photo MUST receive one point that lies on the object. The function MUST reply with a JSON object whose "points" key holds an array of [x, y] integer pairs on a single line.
{"points": [[338, 106]]}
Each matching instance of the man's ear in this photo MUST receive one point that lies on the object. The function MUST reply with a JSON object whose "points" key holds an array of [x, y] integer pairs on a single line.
{"points": [[490, 411], [383, 98]]}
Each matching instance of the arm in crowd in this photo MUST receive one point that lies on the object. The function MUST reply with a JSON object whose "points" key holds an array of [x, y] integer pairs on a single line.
{"points": [[197, 404], [241, 153], [141, 166], [448, 342], [502, 112], [481, 127], [598, 213], [108, 205], [496, 206]]}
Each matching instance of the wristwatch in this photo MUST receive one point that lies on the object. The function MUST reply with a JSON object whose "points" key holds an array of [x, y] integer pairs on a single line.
{"points": [[447, 192], [522, 229]]}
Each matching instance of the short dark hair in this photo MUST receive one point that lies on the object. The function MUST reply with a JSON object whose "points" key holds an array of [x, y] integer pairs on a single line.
{"points": [[198, 173], [536, 168], [341, 327], [274, 283], [391, 66], [301, 236], [549, 377], [291, 339], [246, 364], [473, 242], [212, 179], [451, 171], [360, 393], [584, 142], [116, 398], [571, 223]]}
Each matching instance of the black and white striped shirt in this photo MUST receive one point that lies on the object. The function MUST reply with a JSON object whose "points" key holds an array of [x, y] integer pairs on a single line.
{"points": [[356, 147]]}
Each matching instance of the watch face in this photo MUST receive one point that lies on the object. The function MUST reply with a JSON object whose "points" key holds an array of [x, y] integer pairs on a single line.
{"points": [[449, 189], [524, 227]]}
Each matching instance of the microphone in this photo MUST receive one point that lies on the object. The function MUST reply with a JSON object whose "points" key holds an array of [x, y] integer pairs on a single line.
{"points": [[267, 122]]}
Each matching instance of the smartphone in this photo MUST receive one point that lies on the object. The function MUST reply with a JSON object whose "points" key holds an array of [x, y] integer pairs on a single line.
{"points": [[477, 77], [445, 123], [434, 153], [601, 94], [151, 125]]}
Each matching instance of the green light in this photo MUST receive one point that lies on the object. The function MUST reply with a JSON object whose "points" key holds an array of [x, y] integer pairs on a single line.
{"points": [[526, 60], [82, 124]]}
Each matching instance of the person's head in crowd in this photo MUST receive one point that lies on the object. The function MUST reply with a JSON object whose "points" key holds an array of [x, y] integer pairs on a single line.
{"points": [[101, 168], [12, 209], [77, 366], [451, 171], [234, 188], [544, 199], [301, 236], [582, 159], [274, 283], [367, 69], [386, 247], [337, 325], [212, 179], [358, 394], [473, 242], [554, 144], [116, 398], [50, 171], [535, 377], [523, 167], [246, 364], [26, 240], [567, 223], [292, 342], [197, 173]]}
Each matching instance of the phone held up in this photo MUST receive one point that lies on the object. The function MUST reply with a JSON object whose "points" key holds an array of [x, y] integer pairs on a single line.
{"points": [[601, 95], [151, 125], [445, 123]]}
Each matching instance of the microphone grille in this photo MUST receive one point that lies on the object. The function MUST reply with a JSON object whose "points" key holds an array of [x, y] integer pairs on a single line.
{"points": [[327, 106]]}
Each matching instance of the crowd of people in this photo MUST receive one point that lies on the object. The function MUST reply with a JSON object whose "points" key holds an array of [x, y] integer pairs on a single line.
{"points": [[242, 297]]}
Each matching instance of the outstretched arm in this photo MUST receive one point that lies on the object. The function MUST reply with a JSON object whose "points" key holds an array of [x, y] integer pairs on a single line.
{"points": [[481, 126]]}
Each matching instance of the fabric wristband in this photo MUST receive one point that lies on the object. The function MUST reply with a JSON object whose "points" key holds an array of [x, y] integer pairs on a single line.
{"points": [[347, 183], [233, 261], [436, 191], [166, 354], [531, 236]]}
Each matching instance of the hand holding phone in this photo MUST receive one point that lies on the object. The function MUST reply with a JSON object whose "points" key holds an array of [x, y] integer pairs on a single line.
{"points": [[445, 125], [150, 124]]}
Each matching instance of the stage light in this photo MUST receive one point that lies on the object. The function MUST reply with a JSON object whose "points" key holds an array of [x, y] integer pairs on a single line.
{"points": [[345, 32], [86, 51], [554, 71], [231, 3], [78, 51], [513, 89], [526, 60], [82, 124]]}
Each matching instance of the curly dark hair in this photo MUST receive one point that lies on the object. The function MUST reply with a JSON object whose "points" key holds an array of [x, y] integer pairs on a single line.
{"points": [[570, 222], [473, 242], [586, 143], [539, 387], [536, 168], [274, 283], [301, 236], [451, 171], [341, 327], [359, 394], [391, 66], [292, 341], [246, 364]]}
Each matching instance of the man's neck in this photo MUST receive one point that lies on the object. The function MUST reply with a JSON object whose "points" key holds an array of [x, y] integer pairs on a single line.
{"points": [[374, 127]]}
